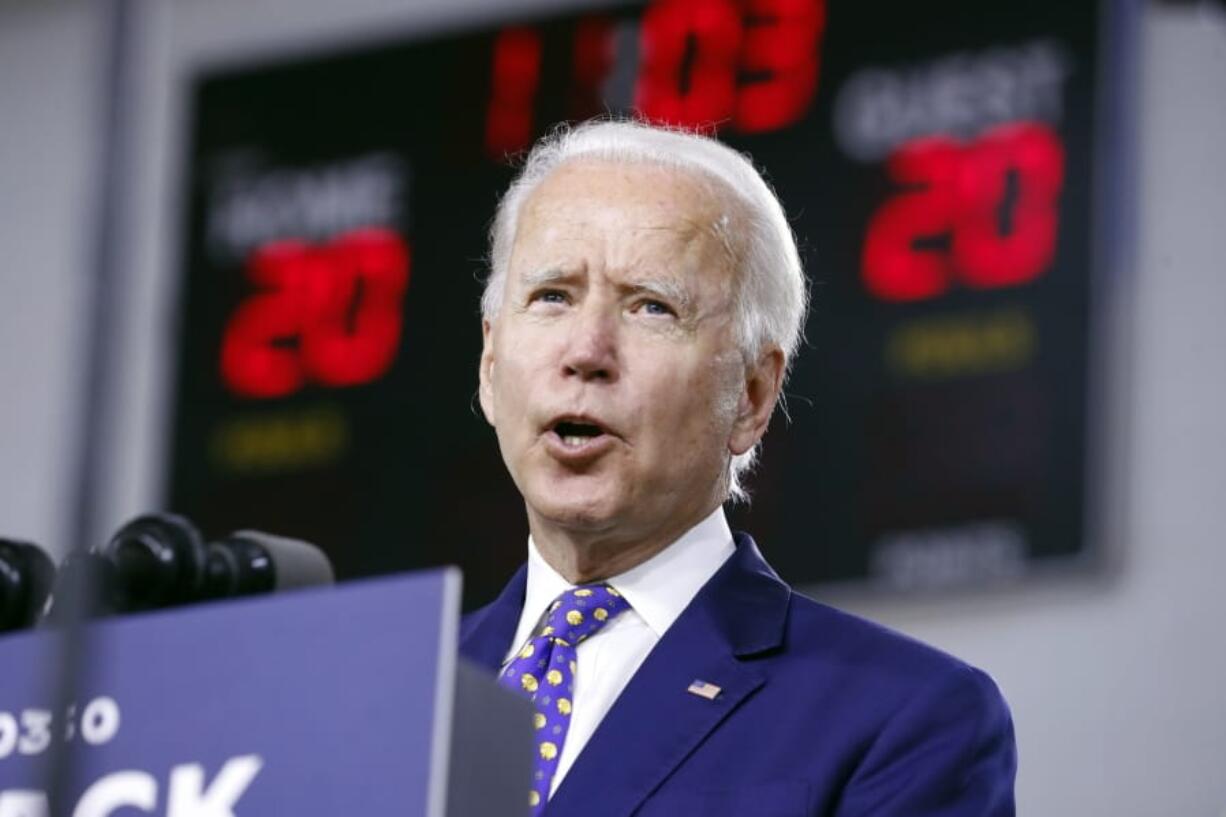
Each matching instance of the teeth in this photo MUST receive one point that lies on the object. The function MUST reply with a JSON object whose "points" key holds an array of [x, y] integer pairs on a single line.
{"points": [[573, 440]]}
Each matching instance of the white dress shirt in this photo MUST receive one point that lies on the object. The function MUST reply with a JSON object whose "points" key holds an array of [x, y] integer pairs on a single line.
{"points": [[657, 590]]}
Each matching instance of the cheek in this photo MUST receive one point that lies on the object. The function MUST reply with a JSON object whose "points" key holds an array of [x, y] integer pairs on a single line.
{"points": [[511, 400], [698, 410], [526, 351], [516, 378], [726, 397]]}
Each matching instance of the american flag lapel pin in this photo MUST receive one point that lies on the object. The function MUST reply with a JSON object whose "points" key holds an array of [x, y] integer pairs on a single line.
{"points": [[704, 689]]}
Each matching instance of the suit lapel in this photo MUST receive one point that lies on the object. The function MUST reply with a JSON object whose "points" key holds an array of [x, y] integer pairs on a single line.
{"points": [[656, 723]]}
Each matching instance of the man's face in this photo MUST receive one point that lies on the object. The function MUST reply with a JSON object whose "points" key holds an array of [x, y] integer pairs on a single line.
{"points": [[610, 372]]}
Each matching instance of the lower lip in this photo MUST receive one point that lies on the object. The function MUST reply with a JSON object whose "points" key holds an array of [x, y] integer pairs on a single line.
{"points": [[590, 447]]}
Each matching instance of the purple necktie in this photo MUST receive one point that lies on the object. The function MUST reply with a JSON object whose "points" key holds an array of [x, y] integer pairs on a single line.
{"points": [[545, 670]]}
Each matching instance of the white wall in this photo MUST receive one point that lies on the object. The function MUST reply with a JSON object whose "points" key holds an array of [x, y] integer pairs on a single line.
{"points": [[48, 51], [1118, 683]]}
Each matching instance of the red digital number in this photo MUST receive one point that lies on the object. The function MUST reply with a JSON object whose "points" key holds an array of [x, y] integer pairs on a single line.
{"points": [[328, 314], [749, 64], [780, 52], [893, 268], [988, 209], [515, 75], [707, 62], [688, 72], [1009, 188]]}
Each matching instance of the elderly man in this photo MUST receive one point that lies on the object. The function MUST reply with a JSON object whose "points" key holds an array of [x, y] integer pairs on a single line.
{"points": [[645, 300]]}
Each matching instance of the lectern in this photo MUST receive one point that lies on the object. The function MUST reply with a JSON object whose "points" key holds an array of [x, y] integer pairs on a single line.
{"points": [[329, 702]]}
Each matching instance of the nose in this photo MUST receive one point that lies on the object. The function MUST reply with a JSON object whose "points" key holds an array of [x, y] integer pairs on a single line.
{"points": [[591, 352]]}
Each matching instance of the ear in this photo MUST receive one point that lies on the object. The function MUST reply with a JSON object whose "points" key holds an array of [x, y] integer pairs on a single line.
{"points": [[485, 391], [763, 381]]}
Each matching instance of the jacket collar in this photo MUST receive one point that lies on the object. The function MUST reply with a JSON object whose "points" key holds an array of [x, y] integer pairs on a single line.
{"points": [[738, 615], [745, 601]]}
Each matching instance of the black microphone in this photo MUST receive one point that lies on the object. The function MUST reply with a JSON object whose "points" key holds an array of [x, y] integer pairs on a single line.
{"points": [[160, 560], [249, 562], [152, 562], [155, 561], [26, 576]]}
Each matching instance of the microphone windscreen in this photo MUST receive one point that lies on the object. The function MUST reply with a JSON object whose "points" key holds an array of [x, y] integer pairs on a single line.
{"points": [[295, 563]]}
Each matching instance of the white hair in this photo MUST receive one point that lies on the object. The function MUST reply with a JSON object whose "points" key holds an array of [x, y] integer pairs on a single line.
{"points": [[771, 293]]}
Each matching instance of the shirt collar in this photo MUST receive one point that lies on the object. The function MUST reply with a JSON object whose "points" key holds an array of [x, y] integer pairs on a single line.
{"points": [[658, 590]]}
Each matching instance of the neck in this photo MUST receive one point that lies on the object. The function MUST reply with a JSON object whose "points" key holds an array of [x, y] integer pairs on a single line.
{"points": [[585, 555]]}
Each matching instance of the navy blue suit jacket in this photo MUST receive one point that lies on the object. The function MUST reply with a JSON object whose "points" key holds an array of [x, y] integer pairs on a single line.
{"points": [[820, 713]]}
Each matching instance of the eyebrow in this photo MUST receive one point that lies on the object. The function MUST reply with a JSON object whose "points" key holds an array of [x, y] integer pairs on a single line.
{"points": [[666, 289], [549, 275], [663, 288]]}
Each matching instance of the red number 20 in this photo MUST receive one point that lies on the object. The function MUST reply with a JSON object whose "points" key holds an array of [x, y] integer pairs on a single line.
{"points": [[326, 314], [994, 201]]}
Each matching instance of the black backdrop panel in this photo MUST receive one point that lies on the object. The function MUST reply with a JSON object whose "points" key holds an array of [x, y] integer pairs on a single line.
{"points": [[935, 158]]}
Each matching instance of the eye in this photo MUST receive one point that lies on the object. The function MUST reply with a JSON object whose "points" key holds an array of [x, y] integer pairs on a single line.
{"points": [[548, 296], [651, 306]]}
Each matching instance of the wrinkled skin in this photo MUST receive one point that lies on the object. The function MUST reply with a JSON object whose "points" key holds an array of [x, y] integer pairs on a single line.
{"points": [[617, 321]]}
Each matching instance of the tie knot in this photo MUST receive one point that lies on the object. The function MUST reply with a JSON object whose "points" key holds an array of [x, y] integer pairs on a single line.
{"points": [[581, 611]]}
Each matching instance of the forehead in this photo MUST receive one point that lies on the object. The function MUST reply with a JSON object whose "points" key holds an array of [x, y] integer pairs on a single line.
{"points": [[665, 186], [648, 207]]}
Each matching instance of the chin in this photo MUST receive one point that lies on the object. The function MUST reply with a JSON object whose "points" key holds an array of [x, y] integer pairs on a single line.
{"points": [[585, 507]]}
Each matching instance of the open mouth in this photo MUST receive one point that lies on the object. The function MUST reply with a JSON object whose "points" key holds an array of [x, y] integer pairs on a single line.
{"points": [[576, 433]]}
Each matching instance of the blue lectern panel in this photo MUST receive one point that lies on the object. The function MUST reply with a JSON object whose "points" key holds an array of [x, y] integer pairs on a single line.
{"points": [[320, 702]]}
